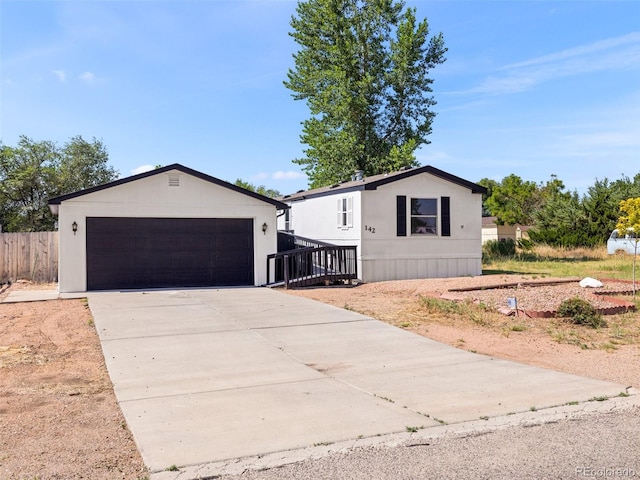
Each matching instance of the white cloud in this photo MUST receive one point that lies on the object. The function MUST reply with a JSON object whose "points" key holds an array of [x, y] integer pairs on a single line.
{"points": [[88, 77], [581, 51], [142, 169], [62, 76], [606, 55], [290, 175]]}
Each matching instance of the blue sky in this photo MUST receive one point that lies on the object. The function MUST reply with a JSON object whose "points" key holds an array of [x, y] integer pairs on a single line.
{"points": [[535, 88]]}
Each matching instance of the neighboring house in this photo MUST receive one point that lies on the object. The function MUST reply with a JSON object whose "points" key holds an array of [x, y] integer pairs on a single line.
{"points": [[415, 223], [492, 231], [170, 227]]}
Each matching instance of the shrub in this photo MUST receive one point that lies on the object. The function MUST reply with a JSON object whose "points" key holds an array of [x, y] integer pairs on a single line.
{"points": [[579, 311], [525, 244], [499, 248]]}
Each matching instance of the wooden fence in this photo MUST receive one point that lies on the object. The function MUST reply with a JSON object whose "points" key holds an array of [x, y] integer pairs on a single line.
{"points": [[29, 256]]}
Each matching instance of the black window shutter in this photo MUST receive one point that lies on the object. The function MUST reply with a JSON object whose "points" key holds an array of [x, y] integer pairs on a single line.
{"points": [[445, 216], [401, 216]]}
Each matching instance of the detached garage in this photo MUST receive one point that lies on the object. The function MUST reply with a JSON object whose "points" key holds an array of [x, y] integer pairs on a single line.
{"points": [[171, 227]]}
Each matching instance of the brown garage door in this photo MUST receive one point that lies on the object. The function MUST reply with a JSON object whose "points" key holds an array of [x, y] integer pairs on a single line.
{"points": [[168, 252]]}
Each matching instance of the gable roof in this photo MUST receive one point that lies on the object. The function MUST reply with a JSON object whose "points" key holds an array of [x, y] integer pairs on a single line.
{"points": [[161, 170], [375, 181]]}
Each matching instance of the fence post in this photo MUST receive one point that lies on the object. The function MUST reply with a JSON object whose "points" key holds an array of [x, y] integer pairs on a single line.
{"points": [[268, 265], [285, 266], [355, 261]]}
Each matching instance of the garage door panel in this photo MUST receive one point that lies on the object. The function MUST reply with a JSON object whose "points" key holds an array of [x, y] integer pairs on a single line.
{"points": [[160, 252], [235, 277], [230, 226], [238, 240], [196, 242], [232, 261], [113, 226], [189, 261]]}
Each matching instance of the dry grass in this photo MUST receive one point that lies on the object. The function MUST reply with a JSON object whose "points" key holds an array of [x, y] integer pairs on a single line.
{"points": [[582, 253], [623, 329], [544, 261]]}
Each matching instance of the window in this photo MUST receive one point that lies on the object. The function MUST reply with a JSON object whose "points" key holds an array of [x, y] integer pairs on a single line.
{"points": [[287, 220], [424, 216], [345, 212]]}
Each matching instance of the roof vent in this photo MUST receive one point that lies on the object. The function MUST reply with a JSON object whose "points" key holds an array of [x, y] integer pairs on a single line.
{"points": [[174, 180], [358, 175]]}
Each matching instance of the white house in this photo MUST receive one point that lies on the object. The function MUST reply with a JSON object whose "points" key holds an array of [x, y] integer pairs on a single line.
{"points": [[170, 227], [492, 231], [415, 223]]}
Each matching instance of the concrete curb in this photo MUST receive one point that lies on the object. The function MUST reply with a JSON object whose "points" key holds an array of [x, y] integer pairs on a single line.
{"points": [[404, 439]]}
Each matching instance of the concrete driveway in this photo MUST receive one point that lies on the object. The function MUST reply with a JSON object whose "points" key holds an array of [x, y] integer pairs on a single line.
{"points": [[204, 376]]}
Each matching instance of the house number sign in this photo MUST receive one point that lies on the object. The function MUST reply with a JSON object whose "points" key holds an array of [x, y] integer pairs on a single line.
{"points": [[369, 228]]}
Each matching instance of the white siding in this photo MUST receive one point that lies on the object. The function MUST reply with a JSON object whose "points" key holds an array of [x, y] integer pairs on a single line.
{"points": [[386, 256], [153, 197], [382, 255], [316, 218]]}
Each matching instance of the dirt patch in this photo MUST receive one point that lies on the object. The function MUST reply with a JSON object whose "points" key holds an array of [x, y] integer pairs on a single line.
{"points": [[59, 418], [611, 353]]}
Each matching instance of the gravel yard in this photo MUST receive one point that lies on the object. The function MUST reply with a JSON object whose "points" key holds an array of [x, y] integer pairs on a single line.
{"points": [[544, 297]]}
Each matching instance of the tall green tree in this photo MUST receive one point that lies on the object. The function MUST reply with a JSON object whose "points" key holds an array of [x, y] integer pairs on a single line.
{"points": [[363, 69], [489, 184], [561, 221], [513, 201], [261, 189], [600, 205], [629, 222], [83, 165], [32, 172]]}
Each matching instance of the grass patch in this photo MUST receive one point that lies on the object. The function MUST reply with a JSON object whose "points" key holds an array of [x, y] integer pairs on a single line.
{"points": [[600, 398], [386, 399], [478, 313], [545, 261]]}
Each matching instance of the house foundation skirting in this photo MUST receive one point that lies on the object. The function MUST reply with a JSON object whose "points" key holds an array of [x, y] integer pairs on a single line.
{"points": [[380, 269]]}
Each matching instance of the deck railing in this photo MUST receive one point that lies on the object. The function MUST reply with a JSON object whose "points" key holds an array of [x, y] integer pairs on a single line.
{"points": [[313, 266], [289, 241]]}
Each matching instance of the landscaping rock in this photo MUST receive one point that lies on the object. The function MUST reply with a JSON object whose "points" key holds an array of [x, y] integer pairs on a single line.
{"points": [[589, 282]]}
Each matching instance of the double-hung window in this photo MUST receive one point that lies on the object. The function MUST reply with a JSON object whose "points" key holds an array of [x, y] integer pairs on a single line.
{"points": [[287, 220], [424, 216], [345, 212]]}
